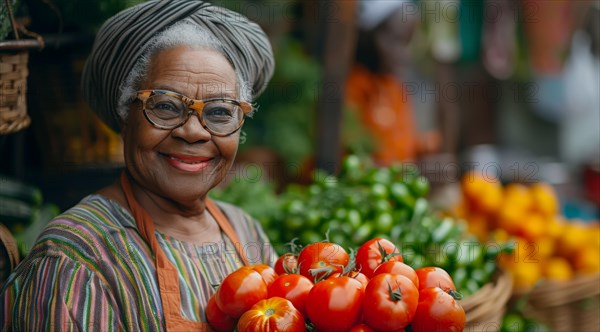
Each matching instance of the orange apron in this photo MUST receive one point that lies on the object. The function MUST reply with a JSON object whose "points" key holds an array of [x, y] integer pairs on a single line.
{"points": [[167, 275]]}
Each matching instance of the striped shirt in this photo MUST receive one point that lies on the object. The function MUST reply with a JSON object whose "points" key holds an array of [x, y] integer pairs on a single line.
{"points": [[91, 270]]}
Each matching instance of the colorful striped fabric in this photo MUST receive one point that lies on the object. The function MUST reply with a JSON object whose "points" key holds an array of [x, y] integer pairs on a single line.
{"points": [[92, 271]]}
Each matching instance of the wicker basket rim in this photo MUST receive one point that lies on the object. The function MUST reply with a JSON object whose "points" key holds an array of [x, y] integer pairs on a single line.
{"points": [[555, 293], [485, 308], [9, 242]]}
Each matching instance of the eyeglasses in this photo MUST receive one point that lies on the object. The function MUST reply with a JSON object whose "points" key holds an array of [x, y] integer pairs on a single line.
{"points": [[169, 110]]}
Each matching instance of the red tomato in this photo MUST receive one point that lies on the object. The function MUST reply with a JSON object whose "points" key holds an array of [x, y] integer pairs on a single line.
{"points": [[321, 259], [287, 263], [335, 304], [219, 321], [399, 268], [361, 328], [438, 311], [434, 276], [272, 315], [361, 277], [293, 287], [390, 302], [374, 252], [267, 273], [239, 291]]}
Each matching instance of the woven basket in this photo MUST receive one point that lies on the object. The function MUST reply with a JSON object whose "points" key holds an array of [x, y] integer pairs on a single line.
{"points": [[9, 253], [14, 58], [567, 306], [485, 308], [13, 90]]}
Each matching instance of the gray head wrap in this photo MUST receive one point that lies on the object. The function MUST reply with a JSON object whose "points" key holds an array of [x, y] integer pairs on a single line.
{"points": [[122, 40]]}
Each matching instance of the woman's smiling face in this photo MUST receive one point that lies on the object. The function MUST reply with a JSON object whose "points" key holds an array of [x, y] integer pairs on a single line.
{"points": [[184, 163]]}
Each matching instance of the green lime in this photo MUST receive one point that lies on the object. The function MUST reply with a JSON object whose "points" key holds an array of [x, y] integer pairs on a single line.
{"points": [[351, 163], [313, 218], [384, 223], [380, 175], [340, 213], [382, 205], [354, 219], [402, 195], [419, 186], [362, 233], [512, 322], [379, 191], [296, 207]]}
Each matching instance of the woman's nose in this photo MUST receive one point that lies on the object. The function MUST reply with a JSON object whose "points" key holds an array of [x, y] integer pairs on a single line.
{"points": [[192, 130]]}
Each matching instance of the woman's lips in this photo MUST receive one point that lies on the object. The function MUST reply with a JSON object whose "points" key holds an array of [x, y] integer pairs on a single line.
{"points": [[186, 163]]}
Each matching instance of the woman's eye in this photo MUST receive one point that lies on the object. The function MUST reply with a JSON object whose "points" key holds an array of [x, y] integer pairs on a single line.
{"points": [[217, 111], [165, 107]]}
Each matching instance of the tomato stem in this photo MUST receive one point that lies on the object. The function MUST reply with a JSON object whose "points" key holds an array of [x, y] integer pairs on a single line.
{"points": [[346, 270], [269, 312], [455, 295], [294, 247], [327, 236], [385, 256], [325, 272], [395, 295]]}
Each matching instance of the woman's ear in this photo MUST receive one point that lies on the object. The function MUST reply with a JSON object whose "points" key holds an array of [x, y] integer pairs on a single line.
{"points": [[124, 126], [123, 120]]}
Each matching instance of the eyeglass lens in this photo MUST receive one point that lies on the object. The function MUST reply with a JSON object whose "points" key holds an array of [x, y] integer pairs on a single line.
{"points": [[168, 111]]}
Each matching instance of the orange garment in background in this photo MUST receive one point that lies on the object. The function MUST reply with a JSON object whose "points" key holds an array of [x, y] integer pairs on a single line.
{"points": [[385, 110]]}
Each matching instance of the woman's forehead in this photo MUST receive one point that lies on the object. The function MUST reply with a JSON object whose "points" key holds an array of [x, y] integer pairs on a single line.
{"points": [[202, 72]]}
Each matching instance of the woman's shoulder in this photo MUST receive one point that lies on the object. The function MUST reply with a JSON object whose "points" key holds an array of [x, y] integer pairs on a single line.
{"points": [[94, 212], [84, 229]]}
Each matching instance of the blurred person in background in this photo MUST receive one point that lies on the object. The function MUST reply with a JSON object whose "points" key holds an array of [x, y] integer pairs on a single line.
{"points": [[376, 89]]}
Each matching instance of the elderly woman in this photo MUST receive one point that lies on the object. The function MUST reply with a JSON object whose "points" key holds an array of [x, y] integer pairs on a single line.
{"points": [[176, 78]]}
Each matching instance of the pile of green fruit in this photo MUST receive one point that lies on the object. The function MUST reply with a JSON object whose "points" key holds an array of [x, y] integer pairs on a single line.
{"points": [[365, 201]]}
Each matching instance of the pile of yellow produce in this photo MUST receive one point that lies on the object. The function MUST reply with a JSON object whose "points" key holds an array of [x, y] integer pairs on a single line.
{"points": [[548, 246]]}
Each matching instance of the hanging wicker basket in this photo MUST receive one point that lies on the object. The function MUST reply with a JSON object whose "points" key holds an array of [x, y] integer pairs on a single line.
{"points": [[13, 90], [486, 307], [14, 56]]}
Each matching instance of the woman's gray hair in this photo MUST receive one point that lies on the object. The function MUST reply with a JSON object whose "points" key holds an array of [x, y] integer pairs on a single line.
{"points": [[184, 33]]}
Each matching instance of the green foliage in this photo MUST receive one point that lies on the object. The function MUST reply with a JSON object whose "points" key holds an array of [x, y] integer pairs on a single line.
{"points": [[5, 26], [23, 211], [285, 117], [256, 197]]}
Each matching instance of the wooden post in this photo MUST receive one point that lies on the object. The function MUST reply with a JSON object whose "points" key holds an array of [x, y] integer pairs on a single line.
{"points": [[337, 40]]}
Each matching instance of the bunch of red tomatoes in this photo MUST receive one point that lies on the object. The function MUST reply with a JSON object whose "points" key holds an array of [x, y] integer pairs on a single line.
{"points": [[324, 288]]}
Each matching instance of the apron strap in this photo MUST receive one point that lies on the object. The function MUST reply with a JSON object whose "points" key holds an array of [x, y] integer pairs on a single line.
{"points": [[226, 228], [167, 274]]}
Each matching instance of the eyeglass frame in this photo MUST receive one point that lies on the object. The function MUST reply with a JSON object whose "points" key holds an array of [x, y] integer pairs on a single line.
{"points": [[194, 106]]}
